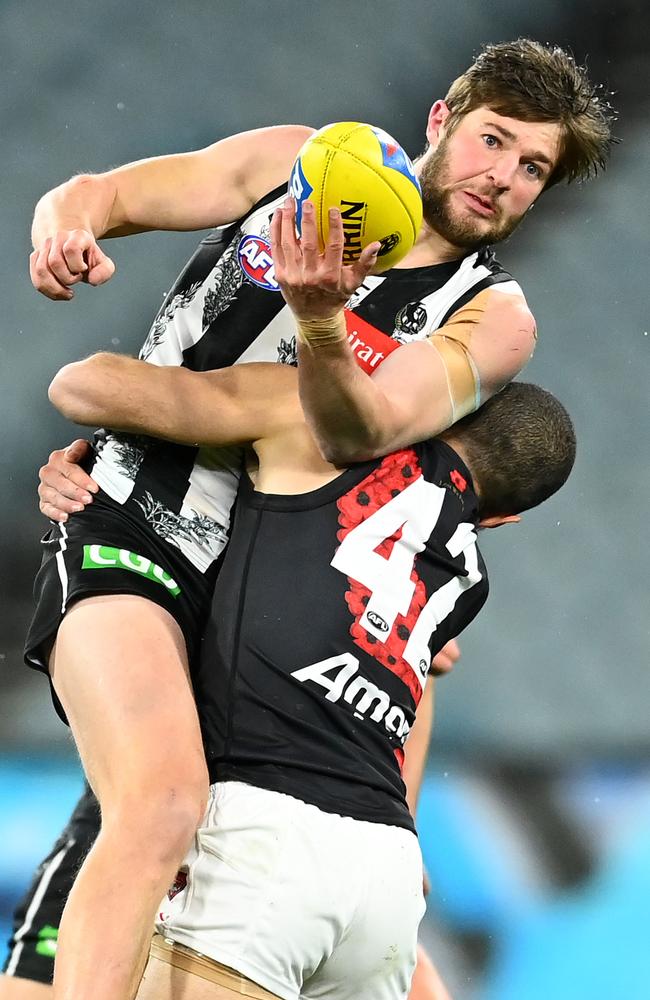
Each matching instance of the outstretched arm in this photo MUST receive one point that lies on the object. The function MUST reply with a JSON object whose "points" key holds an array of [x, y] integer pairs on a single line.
{"points": [[196, 190], [234, 405], [420, 389]]}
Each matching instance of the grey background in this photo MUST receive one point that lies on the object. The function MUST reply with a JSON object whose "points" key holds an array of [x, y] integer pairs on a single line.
{"points": [[557, 665]]}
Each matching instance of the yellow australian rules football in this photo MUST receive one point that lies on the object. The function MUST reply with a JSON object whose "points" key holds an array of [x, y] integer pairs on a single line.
{"points": [[365, 173]]}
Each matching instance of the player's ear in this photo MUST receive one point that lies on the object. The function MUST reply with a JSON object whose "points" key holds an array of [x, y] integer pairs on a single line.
{"points": [[437, 117], [498, 519]]}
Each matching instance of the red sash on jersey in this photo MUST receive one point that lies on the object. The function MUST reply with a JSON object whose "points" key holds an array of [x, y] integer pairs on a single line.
{"points": [[369, 345]]}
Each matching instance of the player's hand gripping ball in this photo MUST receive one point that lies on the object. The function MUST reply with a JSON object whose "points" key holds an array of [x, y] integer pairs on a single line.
{"points": [[365, 173]]}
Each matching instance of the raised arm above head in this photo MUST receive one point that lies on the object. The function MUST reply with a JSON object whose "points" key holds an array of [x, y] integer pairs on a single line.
{"points": [[185, 191]]}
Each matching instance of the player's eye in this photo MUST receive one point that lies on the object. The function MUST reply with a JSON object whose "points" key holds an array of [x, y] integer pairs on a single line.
{"points": [[533, 171], [490, 140]]}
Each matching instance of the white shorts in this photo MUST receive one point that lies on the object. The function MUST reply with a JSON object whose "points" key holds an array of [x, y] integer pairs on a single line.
{"points": [[303, 902]]}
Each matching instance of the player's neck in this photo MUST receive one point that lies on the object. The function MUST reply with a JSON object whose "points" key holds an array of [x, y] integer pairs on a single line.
{"points": [[431, 248]]}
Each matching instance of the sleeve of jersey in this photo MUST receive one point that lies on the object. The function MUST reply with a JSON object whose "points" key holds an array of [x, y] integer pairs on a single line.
{"points": [[453, 343]]}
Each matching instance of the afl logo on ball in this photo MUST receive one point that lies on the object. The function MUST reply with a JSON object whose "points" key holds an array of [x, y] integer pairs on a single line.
{"points": [[255, 260]]}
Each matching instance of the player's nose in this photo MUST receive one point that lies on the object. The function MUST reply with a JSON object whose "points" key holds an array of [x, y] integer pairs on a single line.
{"points": [[502, 170]]}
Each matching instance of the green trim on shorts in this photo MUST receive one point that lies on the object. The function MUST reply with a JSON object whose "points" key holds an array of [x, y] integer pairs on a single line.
{"points": [[110, 557], [47, 941]]}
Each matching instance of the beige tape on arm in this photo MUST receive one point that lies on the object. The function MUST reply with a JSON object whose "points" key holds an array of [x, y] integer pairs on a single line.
{"points": [[319, 332], [190, 961], [463, 381]]}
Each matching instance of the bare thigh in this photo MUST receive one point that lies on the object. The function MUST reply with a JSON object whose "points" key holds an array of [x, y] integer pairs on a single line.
{"points": [[14, 988], [119, 667]]}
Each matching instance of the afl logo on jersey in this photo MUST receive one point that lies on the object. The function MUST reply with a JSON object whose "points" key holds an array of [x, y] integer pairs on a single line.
{"points": [[255, 260], [377, 621]]}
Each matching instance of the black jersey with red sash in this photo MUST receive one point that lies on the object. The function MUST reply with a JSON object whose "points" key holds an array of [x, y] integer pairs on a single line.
{"points": [[328, 609]]}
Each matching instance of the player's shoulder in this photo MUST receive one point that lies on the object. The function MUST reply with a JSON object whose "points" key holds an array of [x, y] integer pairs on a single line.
{"points": [[506, 300], [500, 312], [497, 330]]}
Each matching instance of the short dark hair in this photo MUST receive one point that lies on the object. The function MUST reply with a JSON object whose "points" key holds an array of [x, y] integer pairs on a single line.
{"points": [[520, 447], [540, 83]]}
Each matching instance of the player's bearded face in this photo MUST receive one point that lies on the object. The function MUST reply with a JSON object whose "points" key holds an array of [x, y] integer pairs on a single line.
{"points": [[443, 213]]}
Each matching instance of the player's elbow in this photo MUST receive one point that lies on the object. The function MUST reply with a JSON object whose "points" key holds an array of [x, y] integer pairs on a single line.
{"points": [[70, 390], [345, 449], [65, 392]]}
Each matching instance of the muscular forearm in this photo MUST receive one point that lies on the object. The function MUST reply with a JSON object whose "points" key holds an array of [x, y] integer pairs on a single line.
{"points": [[345, 410], [231, 406], [353, 416]]}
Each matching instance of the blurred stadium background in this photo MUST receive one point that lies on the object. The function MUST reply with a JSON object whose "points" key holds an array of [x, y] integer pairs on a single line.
{"points": [[535, 814]]}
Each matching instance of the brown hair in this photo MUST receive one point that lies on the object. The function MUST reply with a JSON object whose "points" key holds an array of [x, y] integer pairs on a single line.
{"points": [[520, 447], [539, 83]]}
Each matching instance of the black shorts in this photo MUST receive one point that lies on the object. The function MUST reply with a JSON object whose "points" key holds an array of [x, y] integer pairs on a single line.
{"points": [[32, 945], [106, 550]]}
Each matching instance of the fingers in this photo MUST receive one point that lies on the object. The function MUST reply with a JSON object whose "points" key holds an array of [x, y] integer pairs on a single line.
{"points": [[100, 268], [309, 242], [56, 506], [445, 659], [42, 278], [76, 452], [357, 273], [68, 257], [276, 241], [64, 487], [333, 255], [291, 248], [315, 284]]}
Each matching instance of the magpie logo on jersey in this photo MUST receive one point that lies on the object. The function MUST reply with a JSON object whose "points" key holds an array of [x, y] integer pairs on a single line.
{"points": [[255, 260], [410, 320]]}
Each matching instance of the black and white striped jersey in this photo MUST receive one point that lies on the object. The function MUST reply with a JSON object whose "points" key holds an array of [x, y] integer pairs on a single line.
{"points": [[328, 608], [226, 308]]}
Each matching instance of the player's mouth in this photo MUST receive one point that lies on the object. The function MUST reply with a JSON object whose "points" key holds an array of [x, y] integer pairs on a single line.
{"points": [[484, 206]]}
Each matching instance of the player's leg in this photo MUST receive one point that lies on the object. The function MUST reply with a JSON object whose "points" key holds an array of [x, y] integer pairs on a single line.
{"points": [[119, 668], [426, 983], [177, 973], [29, 967], [15, 988]]}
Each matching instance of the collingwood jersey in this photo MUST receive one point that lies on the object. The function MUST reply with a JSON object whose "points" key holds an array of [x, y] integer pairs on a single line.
{"points": [[226, 307], [328, 608]]}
